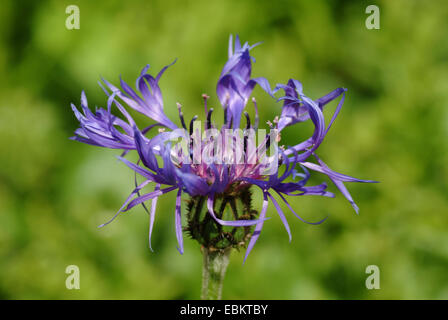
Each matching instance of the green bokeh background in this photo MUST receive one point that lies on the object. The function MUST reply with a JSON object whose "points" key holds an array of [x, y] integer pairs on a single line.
{"points": [[393, 128]]}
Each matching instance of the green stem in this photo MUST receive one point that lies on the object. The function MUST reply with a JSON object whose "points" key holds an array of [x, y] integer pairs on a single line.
{"points": [[213, 271]]}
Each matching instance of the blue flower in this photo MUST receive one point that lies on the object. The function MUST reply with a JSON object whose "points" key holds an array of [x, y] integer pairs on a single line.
{"points": [[212, 163]]}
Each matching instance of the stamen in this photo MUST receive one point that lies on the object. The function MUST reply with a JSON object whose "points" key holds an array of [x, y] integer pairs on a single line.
{"points": [[205, 97], [181, 115], [257, 119], [276, 120], [268, 141], [209, 119], [278, 137], [225, 116], [247, 120], [268, 136], [263, 145], [226, 110], [191, 136], [247, 128], [191, 125]]}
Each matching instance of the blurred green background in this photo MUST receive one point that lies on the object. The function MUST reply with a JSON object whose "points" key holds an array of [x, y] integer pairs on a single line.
{"points": [[393, 128]]}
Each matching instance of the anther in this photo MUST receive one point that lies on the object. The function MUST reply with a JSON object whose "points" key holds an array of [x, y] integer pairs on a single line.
{"points": [[205, 97], [181, 115], [247, 119], [268, 141], [225, 115], [191, 136], [278, 137], [209, 118], [191, 124]]}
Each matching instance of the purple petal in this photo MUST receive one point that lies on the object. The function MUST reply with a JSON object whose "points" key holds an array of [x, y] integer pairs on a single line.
{"points": [[230, 50], [142, 171], [299, 147], [336, 93], [148, 196], [152, 215], [300, 218], [99, 129], [282, 216], [143, 147], [337, 179], [258, 228], [334, 174], [152, 104], [126, 202], [236, 223], [340, 185], [193, 184], [178, 222], [330, 97], [262, 82]]}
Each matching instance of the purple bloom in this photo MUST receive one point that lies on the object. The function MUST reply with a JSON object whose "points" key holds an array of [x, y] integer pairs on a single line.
{"points": [[215, 163]]}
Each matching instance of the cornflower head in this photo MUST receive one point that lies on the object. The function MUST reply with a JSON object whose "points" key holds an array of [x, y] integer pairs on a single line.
{"points": [[216, 166]]}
